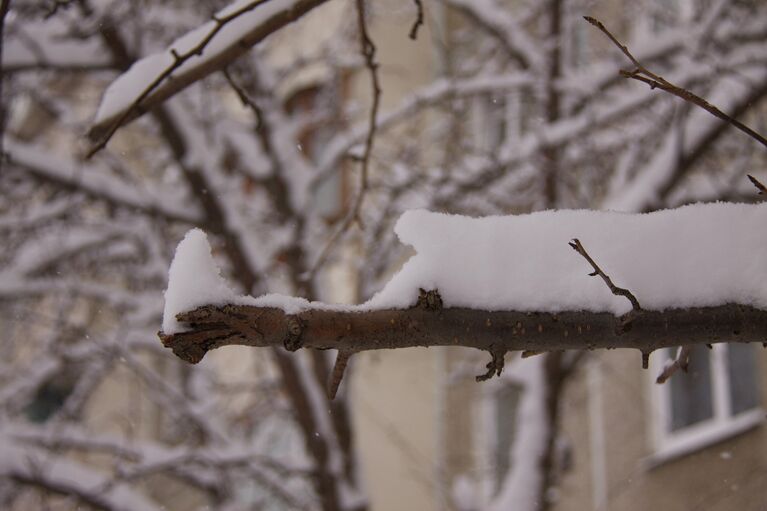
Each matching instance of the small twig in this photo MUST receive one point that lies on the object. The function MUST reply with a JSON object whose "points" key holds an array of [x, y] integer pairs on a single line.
{"points": [[762, 189], [245, 99], [418, 21], [178, 60], [576, 245], [368, 50], [495, 366], [645, 358], [682, 361], [342, 360], [642, 74]]}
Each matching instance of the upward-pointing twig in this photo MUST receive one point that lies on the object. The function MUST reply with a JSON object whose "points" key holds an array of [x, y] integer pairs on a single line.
{"points": [[762, 189], [576, 245], [635, 307], [642, 74]]}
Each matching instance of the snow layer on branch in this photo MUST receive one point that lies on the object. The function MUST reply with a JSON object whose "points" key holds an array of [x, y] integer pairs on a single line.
{"points": [[195, 280], [130, 85], [698, 255], [695, 256]]}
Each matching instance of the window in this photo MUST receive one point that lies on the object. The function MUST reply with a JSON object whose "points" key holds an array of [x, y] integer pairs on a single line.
{"points": [[319, 106], [51, 396], [498, 119], [489, 119], [668, 13], [718, 397], [498, 412]]}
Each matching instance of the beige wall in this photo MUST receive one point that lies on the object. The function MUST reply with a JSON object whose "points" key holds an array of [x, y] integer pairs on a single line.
{"points": [[395, 403], [395, 398], [728, 475]]}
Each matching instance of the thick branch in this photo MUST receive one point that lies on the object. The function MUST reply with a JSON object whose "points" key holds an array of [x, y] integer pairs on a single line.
{"points": [[215, 326]]}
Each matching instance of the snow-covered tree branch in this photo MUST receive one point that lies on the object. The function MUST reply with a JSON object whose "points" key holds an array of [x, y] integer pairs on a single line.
{"points": [[257, 140]]}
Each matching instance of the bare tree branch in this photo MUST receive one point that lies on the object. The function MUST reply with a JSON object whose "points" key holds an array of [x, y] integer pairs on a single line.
{"points": [[213, 326], [642, 74]]}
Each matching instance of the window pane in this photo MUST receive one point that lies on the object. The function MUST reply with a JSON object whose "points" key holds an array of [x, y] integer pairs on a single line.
{"points": [[691, 392], [741, 368], [47, 401]]}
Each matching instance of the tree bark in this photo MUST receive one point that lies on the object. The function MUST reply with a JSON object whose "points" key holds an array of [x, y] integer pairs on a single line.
{"points": [[213, 326]]}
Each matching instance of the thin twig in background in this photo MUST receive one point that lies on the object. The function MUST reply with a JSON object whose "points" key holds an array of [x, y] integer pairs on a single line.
{"points": [[758, 184], [4, 6], [642, 74], [178, 60], [368, 50], [682, 361], [243, 96], [418, 20]]}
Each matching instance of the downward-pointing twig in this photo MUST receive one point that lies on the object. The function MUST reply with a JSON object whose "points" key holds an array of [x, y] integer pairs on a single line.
{"points": [[342, 360], [681, 361]]}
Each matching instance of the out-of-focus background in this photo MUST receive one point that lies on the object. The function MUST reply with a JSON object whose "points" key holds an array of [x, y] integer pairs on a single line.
{"points": [[494, 107]]}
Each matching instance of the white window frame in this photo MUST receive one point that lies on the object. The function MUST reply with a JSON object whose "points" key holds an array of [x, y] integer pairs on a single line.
{"points": [[485, 436], [723, 424]]}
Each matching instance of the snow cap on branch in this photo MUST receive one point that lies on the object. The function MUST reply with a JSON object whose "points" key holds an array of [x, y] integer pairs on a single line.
{"points": [[695, 256], [193, 280]]}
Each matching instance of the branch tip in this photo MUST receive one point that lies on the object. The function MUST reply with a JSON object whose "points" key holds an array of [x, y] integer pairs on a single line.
{"points": [[646, 358], [759, 186]]}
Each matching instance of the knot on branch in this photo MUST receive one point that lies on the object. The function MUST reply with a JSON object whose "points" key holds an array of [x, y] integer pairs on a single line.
{"points": [[495, 366], [295, 328], [429, 300]]}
